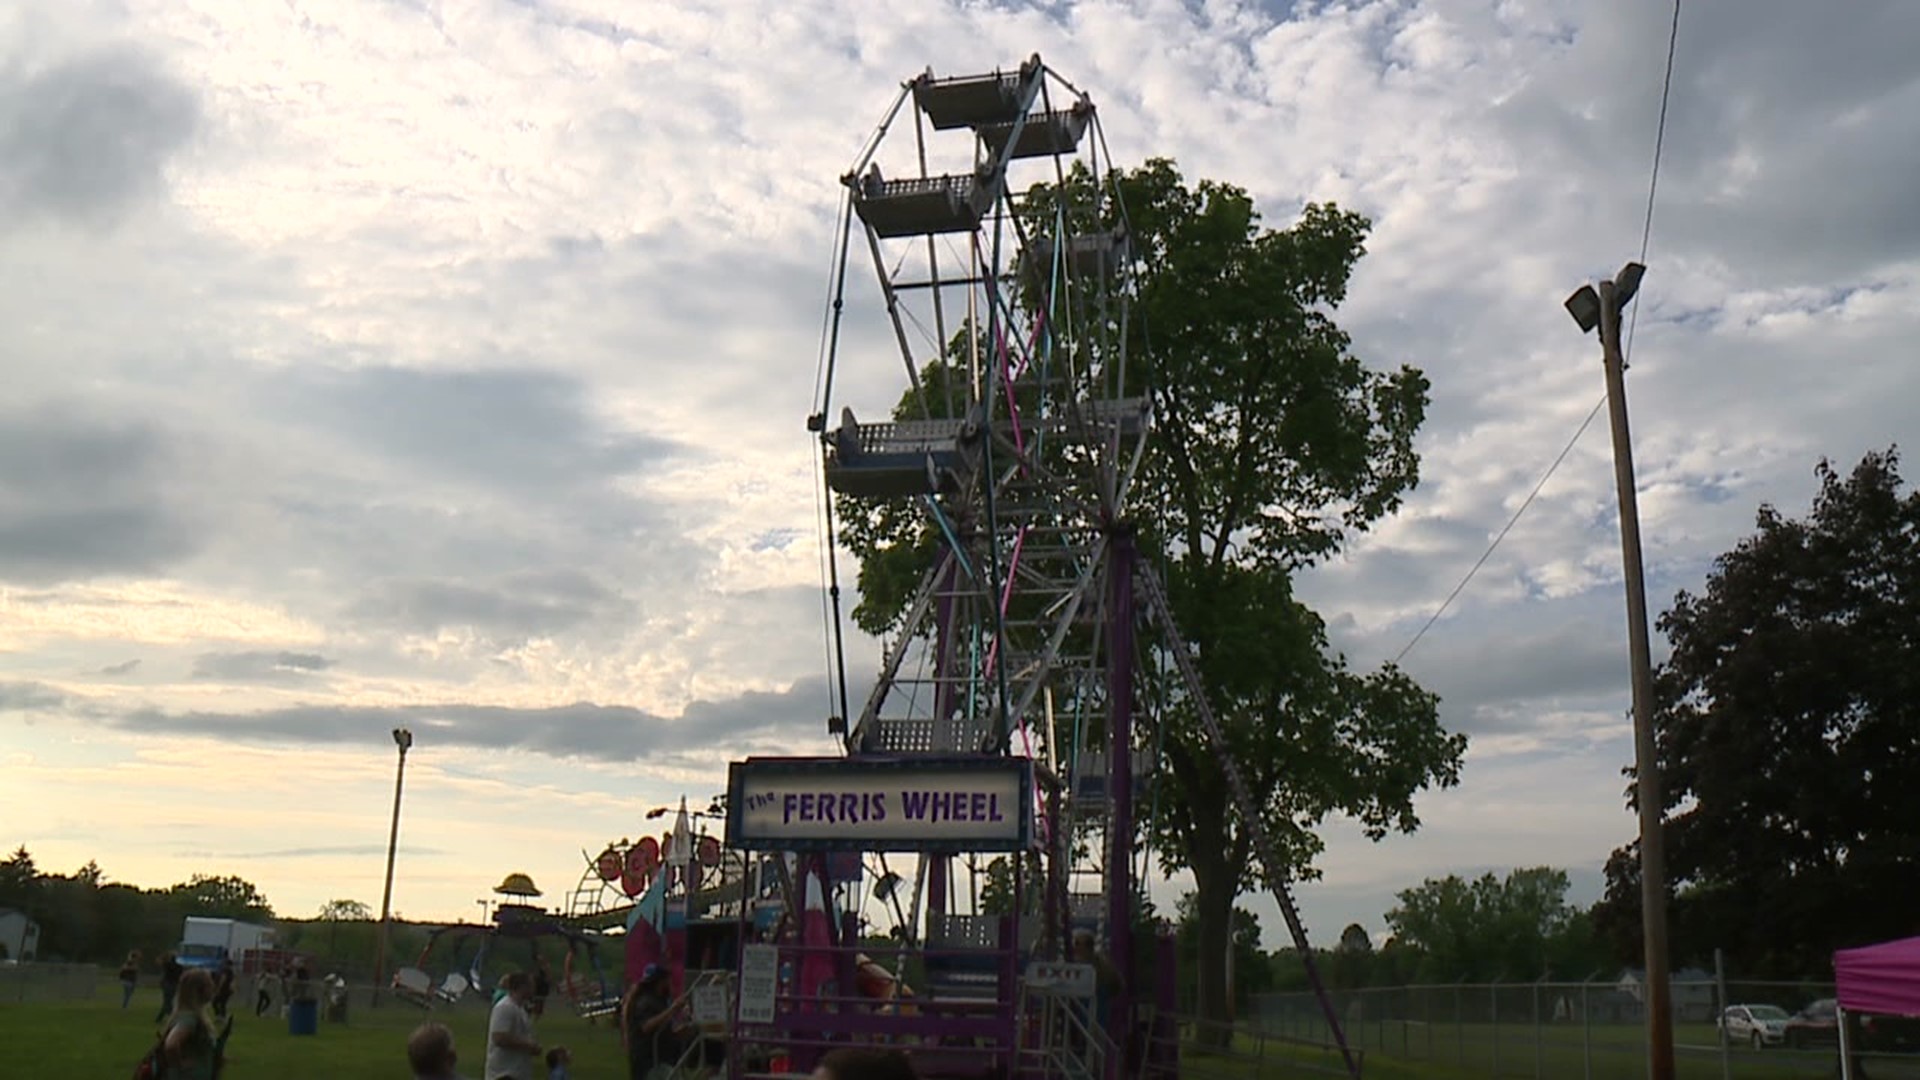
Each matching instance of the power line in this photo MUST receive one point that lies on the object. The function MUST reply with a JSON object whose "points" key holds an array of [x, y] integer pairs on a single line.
{"points": [[1511, 522], [1646, 235], [1653, 180], [1660, 134]]}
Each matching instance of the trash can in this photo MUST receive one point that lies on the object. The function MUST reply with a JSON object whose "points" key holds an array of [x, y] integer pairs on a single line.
{"points": [[303, 1017]]}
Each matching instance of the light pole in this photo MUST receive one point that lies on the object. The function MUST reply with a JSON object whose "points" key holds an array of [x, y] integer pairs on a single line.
{"points": [[403, 739], [1591, 307]]}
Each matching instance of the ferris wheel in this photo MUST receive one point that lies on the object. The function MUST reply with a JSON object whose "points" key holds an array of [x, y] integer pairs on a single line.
{"points": [[1010, 458], [1001, 483], [1015, 443]]}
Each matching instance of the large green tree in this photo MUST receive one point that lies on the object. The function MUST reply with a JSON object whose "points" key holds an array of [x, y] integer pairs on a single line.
{"points": [[1788, 722], [1273, 445]]}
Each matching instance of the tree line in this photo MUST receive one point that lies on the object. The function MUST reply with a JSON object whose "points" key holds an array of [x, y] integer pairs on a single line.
{"points": [[1519, 927], [86, 918]]}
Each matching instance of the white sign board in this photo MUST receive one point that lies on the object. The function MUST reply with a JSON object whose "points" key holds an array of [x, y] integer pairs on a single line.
{"points": [[759, 982], [710, 1004], [1073, 980], [793, 804]]}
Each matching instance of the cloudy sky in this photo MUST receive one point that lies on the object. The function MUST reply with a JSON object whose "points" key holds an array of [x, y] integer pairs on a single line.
{"points": [[444, 364]]}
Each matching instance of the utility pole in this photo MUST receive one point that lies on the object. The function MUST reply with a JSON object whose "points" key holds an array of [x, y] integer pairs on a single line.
{"points": [[1589, 307], [403, 739]]}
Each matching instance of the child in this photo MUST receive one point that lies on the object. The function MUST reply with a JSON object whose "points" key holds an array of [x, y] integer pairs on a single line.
{"points": [[559, 1064]]}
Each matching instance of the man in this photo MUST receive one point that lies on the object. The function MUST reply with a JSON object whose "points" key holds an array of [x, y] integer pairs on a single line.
{"points": [[646, 1017], [511, 1047], [223, 989], [430, 1053], [170, 972]]}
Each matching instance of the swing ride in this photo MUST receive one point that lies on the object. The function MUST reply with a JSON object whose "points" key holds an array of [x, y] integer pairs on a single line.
{"points": [[1005, 722], [466, 948]]}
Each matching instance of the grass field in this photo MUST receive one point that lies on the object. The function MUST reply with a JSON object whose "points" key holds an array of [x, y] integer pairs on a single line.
{"points": [[95, 1039], [80, 1040]]}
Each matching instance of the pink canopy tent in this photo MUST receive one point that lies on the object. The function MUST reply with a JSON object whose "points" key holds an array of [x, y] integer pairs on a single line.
{"points": [[1883, 978]]}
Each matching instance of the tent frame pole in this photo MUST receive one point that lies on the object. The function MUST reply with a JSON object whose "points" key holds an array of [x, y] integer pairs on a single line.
{"points": [[1846, 1047]]}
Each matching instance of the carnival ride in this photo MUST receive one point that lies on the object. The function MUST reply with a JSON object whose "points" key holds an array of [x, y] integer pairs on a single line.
{"points": [[614, 880], [677, 900], [467, 948], [1005, 720]]}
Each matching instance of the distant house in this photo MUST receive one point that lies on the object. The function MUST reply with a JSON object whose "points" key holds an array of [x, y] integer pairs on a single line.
{"points": [[19, 935], [1608, 1005], [1692, 990]]}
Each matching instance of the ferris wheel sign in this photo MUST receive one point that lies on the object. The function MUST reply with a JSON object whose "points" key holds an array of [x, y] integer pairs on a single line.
{"points": [[922, 804]]}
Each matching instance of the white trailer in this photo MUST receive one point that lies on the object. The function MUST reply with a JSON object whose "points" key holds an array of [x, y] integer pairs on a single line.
{"points": [[205, 942]]}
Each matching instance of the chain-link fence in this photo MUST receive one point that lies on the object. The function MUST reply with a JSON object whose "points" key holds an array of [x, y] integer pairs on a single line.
{"points": [[1595, 1030], [48, 982]]}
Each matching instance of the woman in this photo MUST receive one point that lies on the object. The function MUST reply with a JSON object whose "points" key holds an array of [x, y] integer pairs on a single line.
{"points": [[189, 1039]]}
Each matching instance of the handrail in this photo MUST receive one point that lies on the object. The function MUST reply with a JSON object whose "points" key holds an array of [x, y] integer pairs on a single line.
{"points": [[1064, 1025]]}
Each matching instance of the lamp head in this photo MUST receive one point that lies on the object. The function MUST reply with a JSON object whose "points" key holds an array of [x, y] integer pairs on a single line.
{"points": [[1584, 306], [1627, 282], [402, 738]]}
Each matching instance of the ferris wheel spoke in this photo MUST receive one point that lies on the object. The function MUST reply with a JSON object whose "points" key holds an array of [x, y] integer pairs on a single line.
{"points": [[911, 627]]}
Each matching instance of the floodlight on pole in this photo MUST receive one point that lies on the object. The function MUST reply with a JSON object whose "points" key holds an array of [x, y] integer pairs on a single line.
{"points": [[1626, 283], [1584, 306], [1591, 307], [403, 739]]}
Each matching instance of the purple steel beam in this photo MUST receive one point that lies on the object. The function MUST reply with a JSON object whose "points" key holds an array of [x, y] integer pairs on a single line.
{"points": [[1120, 567]]}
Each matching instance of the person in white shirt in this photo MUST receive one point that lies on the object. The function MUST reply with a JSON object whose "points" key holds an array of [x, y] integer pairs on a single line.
{"points": [[511, 1047]]}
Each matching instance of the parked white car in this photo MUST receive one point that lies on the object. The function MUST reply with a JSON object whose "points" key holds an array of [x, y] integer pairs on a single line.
{"points": [[1758, 1025]]}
